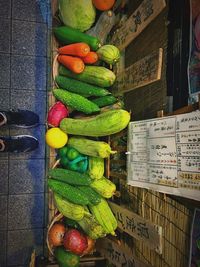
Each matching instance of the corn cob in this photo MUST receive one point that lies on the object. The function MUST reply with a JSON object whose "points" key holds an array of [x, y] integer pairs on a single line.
{"points": [[68, 209], [104, 187], [91, 227], [90, 147], [104, 216], [96, 167]]}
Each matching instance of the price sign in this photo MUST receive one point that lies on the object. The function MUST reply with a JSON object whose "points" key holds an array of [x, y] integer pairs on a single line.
{"points": [[138, 227], [137, 22], [118, 254], [145, 71]]}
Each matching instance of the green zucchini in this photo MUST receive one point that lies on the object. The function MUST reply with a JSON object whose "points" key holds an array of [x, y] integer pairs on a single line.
{"points": [[76, 101], [106, 123], [104, 100], [96, 75], [68, 35], [70, 177], [90, 147], [92, 195], [69, 192], [109, 54], [79, 87], [69, 209]]}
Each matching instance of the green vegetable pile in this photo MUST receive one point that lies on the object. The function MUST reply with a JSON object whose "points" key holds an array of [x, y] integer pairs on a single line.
{"points": [[78, 180]]}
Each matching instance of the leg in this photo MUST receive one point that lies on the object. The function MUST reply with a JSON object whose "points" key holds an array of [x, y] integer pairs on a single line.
{"points": [[18, 144], [19, 118], [2, 145]]}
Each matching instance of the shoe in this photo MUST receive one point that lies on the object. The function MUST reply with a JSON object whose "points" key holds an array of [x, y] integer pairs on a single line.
{"points": [[19, 118], [18, 144]]}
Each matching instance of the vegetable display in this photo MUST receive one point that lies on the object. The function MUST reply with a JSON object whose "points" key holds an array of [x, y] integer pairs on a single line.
{"points": [[76, 101], [68, 35], [109, 54], [79, 14], [85, 113], [90, 147], [103, 4], [104, 124], [79, 87], [77, 49], [96, 75]]}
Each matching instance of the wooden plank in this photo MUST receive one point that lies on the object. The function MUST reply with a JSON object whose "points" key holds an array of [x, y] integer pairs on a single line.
{"points": [[118, 175], [138, 227], [118, 254], [137, 22], [145, 71]]}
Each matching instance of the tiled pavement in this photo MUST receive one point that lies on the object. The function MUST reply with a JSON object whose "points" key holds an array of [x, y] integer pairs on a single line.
{"points": [[24, 59]]}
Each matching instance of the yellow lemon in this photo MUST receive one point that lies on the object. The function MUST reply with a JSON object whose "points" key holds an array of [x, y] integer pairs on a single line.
{"points": [[56, 138]]}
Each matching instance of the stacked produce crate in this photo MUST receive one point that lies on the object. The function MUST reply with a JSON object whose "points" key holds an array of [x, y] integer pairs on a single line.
{"points": [[84, 113]]}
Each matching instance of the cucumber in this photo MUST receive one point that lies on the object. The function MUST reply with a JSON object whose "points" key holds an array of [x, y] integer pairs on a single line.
{"points": [[66, 258], [79, 87], [92, 195], [106, 123], [96, 75], [76, 101], [68, 35], [69, 177], [104, 101], [69, 192]]}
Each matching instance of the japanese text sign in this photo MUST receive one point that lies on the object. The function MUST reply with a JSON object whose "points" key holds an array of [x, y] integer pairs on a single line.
{"points": [[137, 22], [138, 227]]}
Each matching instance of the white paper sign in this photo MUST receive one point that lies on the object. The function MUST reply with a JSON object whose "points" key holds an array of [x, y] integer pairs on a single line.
{"points": [[164, 154]]}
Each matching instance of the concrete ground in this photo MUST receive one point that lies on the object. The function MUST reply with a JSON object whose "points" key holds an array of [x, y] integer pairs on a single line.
{"points": [[24, 81]]}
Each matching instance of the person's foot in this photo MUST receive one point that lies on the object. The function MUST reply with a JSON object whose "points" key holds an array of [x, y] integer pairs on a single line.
{"points": [[19, 118], [18, 144]]}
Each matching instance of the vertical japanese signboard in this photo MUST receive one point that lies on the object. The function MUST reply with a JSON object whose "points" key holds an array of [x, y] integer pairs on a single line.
{"points": [[137, 22], [118, 254], [164, 154], [138, 227], [141, 73]]}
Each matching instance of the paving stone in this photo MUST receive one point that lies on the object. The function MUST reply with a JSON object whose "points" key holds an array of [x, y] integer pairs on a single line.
{"points": [[3, 177], [5, 71], [28, 73], [3, 212], [5, 8], [29, 38], [30, 10], [21, 244], [26, 176], [25, 211], [5, 35], [5, 99], [30, 100], [3, 243]]}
